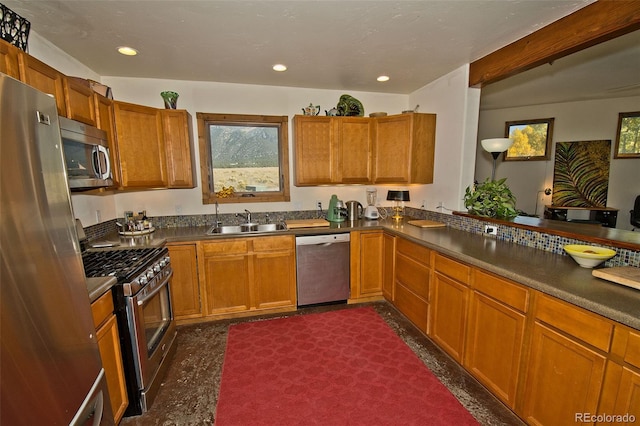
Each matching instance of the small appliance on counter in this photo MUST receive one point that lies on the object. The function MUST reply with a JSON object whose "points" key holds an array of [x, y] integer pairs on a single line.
{"points": [[337, 211], [354, 210], [371, 211]]}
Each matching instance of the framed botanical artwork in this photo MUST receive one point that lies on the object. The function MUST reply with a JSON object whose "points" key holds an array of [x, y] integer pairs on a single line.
{"points": [[531, 139], [628, 135]]}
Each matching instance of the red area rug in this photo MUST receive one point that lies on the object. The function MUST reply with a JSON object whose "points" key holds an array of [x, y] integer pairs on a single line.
{"points": [[344, 367]]}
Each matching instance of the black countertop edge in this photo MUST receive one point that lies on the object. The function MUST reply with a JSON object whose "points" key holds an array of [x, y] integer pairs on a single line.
{"points": [[552, 274]]}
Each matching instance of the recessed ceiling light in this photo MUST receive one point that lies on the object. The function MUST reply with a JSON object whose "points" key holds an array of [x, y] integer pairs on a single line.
{"points": [[383, 78], [129, 51], [279, 67]]}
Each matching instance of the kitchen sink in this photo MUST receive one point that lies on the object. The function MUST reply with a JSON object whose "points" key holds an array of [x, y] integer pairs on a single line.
{"points": [[247, 228]]}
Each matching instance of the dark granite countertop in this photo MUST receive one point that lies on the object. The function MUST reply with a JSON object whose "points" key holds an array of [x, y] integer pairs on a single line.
{"points": [[99, 285], [553, 274]]}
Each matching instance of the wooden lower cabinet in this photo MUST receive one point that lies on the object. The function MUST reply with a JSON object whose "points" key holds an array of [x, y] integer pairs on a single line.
{"points": [[246, 274], [388, 271], [564, 378], [109, 345], [495, 334], [412, 275], [367, 265], [450, 305], [274, 273], [550, 361], [185, 290], [621, 390]]}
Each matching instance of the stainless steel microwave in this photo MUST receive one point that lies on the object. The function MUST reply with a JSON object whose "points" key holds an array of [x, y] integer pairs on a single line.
{"points": [[86, 155]]}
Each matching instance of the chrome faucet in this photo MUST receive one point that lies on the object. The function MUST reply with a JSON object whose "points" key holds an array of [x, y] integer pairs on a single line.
{"points": [[247, 216], [218, 222]]}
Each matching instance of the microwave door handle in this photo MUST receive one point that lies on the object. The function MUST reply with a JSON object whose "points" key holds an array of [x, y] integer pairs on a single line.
{"points": [[104, 174]]}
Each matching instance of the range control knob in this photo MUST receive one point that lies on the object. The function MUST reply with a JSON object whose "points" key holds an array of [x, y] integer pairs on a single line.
{"points": [[167, 259], [157, 267], [150, 274], [142, 280], [163, 263]]}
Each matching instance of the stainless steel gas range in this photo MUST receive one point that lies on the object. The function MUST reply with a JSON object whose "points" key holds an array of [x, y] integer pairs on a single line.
{"points": [[145, 316]]}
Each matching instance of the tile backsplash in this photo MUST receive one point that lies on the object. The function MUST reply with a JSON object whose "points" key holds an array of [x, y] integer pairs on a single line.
{"points": [[535, 239]]}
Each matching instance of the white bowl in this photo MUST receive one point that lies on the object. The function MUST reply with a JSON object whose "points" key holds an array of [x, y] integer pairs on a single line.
{"points": [[589, 256]]}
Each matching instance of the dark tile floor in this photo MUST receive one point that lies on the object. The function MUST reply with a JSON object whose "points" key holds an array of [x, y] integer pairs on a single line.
{"points": [[190, 390]]}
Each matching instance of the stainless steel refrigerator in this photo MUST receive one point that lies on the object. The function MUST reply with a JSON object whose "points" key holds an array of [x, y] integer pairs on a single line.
{"points": [[50, 367]]}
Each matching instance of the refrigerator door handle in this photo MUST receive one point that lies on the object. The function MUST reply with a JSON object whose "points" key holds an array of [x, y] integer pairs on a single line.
{"points": [[93, 405]]}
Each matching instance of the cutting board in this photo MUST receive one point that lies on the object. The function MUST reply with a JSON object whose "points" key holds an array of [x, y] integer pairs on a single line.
{"points": [[625, 275], [306, 223], [426, 223]]}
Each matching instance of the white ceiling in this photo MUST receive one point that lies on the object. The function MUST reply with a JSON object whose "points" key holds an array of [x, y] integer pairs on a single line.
{"points": [[338, 45], [341, 45]]}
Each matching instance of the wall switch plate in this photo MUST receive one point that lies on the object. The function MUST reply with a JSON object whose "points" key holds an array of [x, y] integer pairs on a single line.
{"points": [[491, 230]]}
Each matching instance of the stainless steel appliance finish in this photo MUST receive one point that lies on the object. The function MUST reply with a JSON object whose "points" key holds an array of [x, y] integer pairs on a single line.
{"points": [[145, 316], [51, 372], [322, 266], [86, 154]]}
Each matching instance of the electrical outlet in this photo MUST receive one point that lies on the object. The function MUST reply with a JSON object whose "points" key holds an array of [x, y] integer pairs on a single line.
{"points": [[440, 205], [178, 209], [98, 216], [490, 230], [318, 204], [424, 204]]}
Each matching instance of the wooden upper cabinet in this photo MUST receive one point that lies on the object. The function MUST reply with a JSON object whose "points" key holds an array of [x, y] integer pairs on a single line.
{"points": [[333, 150], [404, 148], [79, 100], [105, 120], [178, 140], [140, 146], [361, 150], [41, 76], [314, 152], [353, 139], [9, 60]]}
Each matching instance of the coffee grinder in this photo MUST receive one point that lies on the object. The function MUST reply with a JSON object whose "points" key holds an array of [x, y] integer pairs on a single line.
{"points": [[371, 211]]}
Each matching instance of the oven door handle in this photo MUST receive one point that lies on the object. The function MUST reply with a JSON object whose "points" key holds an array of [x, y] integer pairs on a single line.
{"points": [[142, 301]]}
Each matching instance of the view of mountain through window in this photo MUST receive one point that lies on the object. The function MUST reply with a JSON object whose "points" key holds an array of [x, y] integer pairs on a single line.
{"points": [[245, 158]]}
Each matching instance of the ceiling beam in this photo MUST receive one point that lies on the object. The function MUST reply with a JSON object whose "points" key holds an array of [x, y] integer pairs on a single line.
{"points": [[593, 24]]}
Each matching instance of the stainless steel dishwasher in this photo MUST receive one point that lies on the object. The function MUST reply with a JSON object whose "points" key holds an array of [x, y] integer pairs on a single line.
{"points": [[322, 265]]}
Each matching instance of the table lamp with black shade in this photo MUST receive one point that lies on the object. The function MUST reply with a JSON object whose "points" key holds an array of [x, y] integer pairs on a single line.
{"points": [[398, 197]]}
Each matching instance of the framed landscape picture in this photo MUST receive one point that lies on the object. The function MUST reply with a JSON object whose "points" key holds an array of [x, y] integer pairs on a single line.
{"points": [[531, 139], [628, 135]]}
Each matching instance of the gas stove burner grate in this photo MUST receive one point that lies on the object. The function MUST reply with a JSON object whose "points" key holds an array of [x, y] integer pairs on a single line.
{"points": [[123, 264]]}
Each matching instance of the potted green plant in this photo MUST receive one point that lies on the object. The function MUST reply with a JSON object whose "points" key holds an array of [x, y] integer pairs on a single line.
{"points": [[491, 198]]}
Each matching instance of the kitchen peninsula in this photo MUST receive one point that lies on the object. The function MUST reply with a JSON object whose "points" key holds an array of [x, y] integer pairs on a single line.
{"points": [[506, 312]]}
